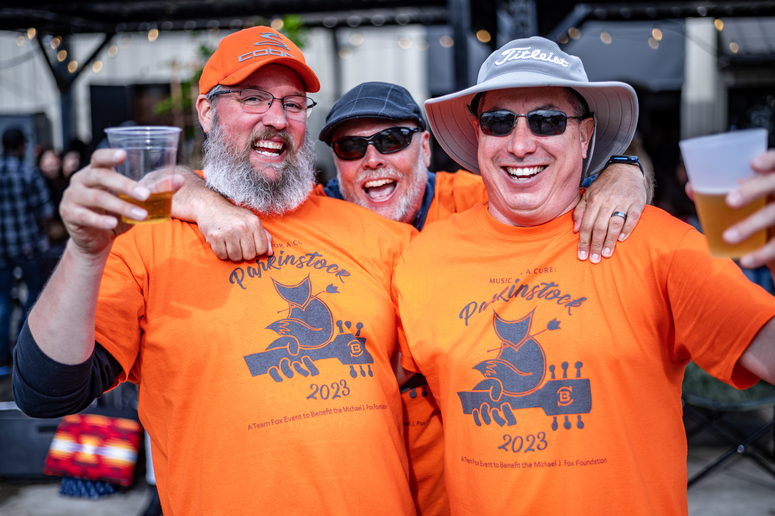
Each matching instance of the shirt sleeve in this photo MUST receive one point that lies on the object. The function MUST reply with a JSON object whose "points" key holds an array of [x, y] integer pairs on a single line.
{"points": [[43, 387], [733, 311]]}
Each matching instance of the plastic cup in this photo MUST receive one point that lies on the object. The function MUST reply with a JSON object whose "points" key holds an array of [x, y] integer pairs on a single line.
{"points": [[151, 153], [715, 164]]}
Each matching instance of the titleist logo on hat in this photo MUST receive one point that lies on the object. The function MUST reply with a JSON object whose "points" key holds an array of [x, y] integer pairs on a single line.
{"points": [[272, 40], [529, 53]]}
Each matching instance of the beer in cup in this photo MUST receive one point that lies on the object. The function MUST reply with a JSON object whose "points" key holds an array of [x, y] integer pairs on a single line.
{"points": [[151, 153], [715, 164]]}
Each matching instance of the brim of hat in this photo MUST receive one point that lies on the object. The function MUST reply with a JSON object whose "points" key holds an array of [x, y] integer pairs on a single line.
{"points": [[614, 104], [308, 77]]}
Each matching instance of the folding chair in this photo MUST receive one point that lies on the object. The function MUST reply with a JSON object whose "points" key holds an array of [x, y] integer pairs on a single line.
{"points": [[709, 402]]}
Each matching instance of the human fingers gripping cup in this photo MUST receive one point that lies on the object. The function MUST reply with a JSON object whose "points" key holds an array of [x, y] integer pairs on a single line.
{"points": [[151, 154], [715, 164]]}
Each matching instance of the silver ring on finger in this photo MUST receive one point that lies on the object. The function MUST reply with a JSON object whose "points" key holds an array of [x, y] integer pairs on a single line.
{"points": [[619, 214]]}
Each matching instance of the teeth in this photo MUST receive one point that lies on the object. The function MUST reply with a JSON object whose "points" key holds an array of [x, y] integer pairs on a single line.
{"points": [[524, 172], [268, 148], [378, 182], [269, 145]]}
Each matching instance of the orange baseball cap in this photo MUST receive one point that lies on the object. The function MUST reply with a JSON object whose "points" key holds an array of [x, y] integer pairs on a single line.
{"points": [[242, 53]]}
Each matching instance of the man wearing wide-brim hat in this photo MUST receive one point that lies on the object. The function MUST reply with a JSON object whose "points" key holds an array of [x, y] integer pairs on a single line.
{"points": [[559, 382]]}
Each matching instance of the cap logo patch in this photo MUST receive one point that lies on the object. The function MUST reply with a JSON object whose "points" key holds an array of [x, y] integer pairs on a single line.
{"points": [[273, 40], [525, 53]]}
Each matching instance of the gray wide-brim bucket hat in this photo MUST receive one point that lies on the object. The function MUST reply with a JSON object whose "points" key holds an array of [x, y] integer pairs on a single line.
{"points": [[530, 62]]}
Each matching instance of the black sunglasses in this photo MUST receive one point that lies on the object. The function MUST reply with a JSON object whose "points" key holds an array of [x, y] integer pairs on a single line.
{"points": [[542, 122], [386, 142]]}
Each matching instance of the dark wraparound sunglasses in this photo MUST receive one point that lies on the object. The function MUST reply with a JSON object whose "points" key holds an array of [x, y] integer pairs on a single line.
{"points": [[386, 142], [542, 122]]}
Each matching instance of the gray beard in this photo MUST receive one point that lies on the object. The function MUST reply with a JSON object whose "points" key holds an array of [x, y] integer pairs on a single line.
{"points": [[229, 172], [412, 199]]}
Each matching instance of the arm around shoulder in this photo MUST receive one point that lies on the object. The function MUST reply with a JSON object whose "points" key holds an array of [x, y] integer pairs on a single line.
{"points": [[234, 233]]}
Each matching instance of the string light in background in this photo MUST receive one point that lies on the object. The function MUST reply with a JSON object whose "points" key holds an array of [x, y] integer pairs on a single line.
{"points": [[562, 39], [606, 38], [657, 34], [405, 43], [96, 67], [356, 39], [61, 55], [56, 42], [112, 51], [20, 41], [483, 36], [72, 66], [153, 35], [734, 47], [574, 33], [421, 44], [719, 24], [345, 52], [31, 32], [446, 41], [653, 43], [277, 24]]}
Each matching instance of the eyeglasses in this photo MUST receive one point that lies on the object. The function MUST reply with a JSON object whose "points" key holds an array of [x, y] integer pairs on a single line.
{"points": [[386, 142], [542, 122], [259, 101]]}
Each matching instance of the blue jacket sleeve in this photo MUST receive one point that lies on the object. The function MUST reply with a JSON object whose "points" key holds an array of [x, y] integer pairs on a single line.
{"points": [[42, 387]]}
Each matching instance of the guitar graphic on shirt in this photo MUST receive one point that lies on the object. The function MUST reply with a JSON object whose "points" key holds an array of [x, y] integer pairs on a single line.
{"points": [[307, 335], [515, 379]]}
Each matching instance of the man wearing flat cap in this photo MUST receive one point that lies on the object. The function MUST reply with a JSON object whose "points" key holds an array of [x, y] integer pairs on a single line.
{"points": [[266, 386], [559, 381]]}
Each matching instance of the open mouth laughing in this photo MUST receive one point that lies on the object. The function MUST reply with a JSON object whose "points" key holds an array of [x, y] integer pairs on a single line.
{"points": [[379, 189], [269, 148]]}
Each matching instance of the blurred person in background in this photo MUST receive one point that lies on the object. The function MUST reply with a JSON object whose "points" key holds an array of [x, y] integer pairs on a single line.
{"points": [[74, 157], [50, 166], [25, 212]]}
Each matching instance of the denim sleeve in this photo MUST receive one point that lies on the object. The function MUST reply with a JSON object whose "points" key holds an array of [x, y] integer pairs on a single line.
{"points": [[42, 387], [588, 181]]}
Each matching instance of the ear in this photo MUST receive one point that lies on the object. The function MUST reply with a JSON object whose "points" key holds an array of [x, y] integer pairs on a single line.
{"points": [[586, 130], [205, 112], [426, 148]]}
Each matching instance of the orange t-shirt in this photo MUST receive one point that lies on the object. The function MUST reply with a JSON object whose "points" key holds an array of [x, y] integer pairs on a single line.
{"points": [[266, 386], [454, 193], [559, 381]]}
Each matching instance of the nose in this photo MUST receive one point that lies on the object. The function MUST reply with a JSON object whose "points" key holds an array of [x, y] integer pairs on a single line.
{"points": [[373, 158], [275, 116], [522, 141]]}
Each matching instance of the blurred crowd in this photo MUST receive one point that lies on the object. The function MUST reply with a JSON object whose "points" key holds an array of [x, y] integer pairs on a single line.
{"points": [[33, 236]]}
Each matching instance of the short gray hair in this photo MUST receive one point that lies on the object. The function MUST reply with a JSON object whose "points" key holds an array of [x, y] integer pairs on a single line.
{"points": [[212, 95]]}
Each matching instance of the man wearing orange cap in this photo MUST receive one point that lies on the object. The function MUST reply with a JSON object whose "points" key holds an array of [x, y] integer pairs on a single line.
{"points": [[265, 386]]}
